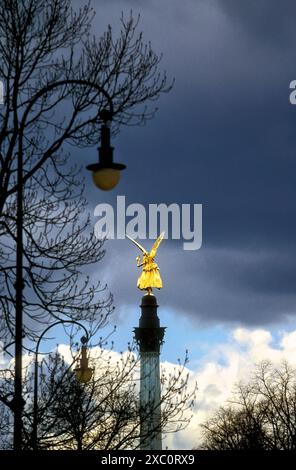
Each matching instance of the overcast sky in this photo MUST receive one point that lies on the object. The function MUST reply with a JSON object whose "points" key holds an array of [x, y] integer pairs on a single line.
{"points": [[224, 137]]}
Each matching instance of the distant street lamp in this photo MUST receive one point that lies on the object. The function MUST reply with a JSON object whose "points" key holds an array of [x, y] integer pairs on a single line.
{"points": [[83, 373]]}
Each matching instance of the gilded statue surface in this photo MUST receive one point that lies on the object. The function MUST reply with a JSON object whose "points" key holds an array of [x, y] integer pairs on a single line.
{"points": [[150, 277]]}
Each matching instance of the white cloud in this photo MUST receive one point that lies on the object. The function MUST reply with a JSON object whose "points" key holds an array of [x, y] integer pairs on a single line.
{"points": [[228, 364]]}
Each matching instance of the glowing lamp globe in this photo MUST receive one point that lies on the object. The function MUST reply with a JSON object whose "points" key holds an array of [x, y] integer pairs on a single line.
{"points": [[106, 173], [83, 374], [106, 178]]}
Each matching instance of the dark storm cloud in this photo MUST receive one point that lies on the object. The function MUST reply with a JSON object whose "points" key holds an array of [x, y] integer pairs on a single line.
{"points": [[269, 20], [224, 137], [210, 286]]}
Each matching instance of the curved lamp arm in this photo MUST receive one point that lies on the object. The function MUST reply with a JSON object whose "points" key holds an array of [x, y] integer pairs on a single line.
{"points": [[59, 83]]}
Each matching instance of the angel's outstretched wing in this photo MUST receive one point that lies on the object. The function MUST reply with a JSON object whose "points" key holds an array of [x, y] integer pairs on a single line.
{"points": [[138, 244], [156, 245]]}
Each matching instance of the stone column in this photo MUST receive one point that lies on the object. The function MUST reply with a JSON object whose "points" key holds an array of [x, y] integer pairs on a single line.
{"points": [[149, 336]]}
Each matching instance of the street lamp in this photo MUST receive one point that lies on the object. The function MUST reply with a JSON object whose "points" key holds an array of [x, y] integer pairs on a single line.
{"points": [[84, 375], [83, 372], [105, 168], [106, 173]]}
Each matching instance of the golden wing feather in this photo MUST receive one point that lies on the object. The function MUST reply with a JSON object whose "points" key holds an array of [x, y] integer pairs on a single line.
{"points": [[156, 245], [137, 244]]}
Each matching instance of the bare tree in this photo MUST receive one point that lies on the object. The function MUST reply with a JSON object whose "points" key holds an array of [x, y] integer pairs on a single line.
{"points": [[261, 415], [58, 79], [102, 414], [48, 61]]}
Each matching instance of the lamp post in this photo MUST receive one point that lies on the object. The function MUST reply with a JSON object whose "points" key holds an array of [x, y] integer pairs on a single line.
{"points": [[83, 373], [106, 168]]}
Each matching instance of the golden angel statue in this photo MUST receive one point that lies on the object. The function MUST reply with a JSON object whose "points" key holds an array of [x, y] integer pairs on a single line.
{"points": [[150, 277]]}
